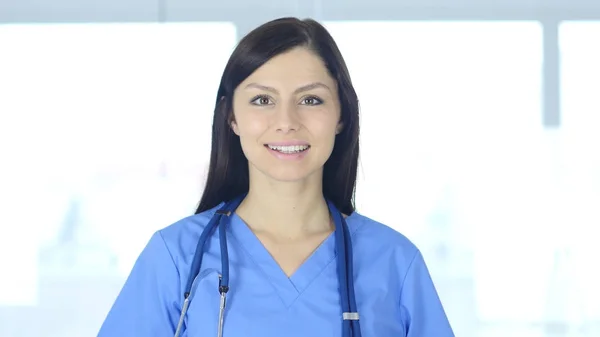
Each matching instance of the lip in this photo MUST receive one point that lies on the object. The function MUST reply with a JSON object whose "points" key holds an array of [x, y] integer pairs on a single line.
{"points": [[288, 143], [288, 156]]}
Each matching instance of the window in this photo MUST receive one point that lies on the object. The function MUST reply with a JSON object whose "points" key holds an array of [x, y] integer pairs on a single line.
{"points": [[105, 122], [452, 155], [580, 84]]}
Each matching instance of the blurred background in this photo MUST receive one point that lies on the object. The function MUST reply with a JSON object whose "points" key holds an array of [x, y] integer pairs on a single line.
{"points": [[480, 142]]}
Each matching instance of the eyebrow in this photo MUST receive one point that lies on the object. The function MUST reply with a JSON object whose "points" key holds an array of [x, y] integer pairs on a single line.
{"points": [[299, 90]]}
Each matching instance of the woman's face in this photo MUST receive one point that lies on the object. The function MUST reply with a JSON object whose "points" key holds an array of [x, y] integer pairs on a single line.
{"points": [[287, 114]]}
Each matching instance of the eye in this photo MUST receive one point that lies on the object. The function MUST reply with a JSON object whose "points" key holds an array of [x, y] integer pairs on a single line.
{"points": [[261, 100], [311, 100]]}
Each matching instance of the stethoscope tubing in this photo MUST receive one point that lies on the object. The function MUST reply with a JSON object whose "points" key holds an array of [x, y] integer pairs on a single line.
{"points": [[219, 221]]}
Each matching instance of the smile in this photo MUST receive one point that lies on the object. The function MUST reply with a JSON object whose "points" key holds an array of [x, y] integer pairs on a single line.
{"points": [[289, 149]]}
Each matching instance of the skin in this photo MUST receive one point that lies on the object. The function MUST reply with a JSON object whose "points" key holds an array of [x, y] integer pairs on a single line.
{"points": [[291, 97]]}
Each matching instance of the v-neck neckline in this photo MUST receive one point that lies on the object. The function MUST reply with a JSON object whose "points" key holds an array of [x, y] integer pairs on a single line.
{"points": [[288, 288]]}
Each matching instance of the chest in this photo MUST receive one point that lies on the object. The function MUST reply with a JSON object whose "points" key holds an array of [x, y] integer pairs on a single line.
{"points": [[289, 255], [258, 307], [267, 298]]}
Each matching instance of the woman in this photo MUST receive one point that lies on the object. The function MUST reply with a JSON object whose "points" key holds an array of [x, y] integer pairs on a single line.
{"points": [[285, 142]]}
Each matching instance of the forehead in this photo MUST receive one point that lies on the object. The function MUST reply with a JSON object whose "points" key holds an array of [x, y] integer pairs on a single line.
{"points": [[298, 66]]}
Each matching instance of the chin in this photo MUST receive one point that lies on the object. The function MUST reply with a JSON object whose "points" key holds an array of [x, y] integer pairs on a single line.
{"points": [[282, 171], [288, 176]]}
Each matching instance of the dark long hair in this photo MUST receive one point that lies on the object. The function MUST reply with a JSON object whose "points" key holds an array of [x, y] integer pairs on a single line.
{"points": [[228, 174]]}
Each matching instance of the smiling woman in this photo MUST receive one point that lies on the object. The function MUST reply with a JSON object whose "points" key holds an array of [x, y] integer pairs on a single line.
{"points": [[299, 260], [287, 107]]}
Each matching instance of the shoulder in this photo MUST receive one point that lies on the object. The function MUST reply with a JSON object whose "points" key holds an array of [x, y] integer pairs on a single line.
{"points": [[381, 246], [389, 259], [181, 237], [369, 232]]}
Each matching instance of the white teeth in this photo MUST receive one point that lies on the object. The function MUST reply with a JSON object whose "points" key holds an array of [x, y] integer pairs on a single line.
{"points": [[289, 149]]}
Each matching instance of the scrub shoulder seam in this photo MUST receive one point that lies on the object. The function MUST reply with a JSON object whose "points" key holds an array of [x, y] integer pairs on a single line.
{"points": [[162, 238]]}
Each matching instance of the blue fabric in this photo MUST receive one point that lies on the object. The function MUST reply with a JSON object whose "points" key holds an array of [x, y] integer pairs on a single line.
{"points": [[394, 291]]}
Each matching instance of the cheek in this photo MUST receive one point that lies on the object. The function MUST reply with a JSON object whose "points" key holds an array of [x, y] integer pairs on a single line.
{"points": [[250, 127], [324, 128]]}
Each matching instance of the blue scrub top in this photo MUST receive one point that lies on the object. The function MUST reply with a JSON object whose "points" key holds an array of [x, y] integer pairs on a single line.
{"points": [[394, 291]]}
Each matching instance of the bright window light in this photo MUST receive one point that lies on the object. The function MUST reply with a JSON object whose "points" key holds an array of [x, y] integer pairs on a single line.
{"points": [[449, 112], [106, 133]]}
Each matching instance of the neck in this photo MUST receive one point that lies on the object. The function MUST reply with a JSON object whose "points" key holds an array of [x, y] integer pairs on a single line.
{"points": [[286, 209]]}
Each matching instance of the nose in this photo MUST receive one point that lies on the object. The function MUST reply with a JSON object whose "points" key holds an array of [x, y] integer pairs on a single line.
{"points": [[287, 118]]}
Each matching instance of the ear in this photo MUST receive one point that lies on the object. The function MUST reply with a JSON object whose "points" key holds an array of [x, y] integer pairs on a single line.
{"points": [[232, 124], [339, 128], [235, 128]]}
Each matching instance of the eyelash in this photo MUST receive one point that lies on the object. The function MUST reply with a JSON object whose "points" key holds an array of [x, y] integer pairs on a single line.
{"points": [[258, 97]]}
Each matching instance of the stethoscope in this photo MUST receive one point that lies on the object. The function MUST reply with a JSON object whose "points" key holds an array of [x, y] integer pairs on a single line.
{"points": [[343, 246]]}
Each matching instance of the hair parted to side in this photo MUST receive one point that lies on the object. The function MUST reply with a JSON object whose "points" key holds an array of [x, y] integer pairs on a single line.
{"points": [[228, 174]]}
